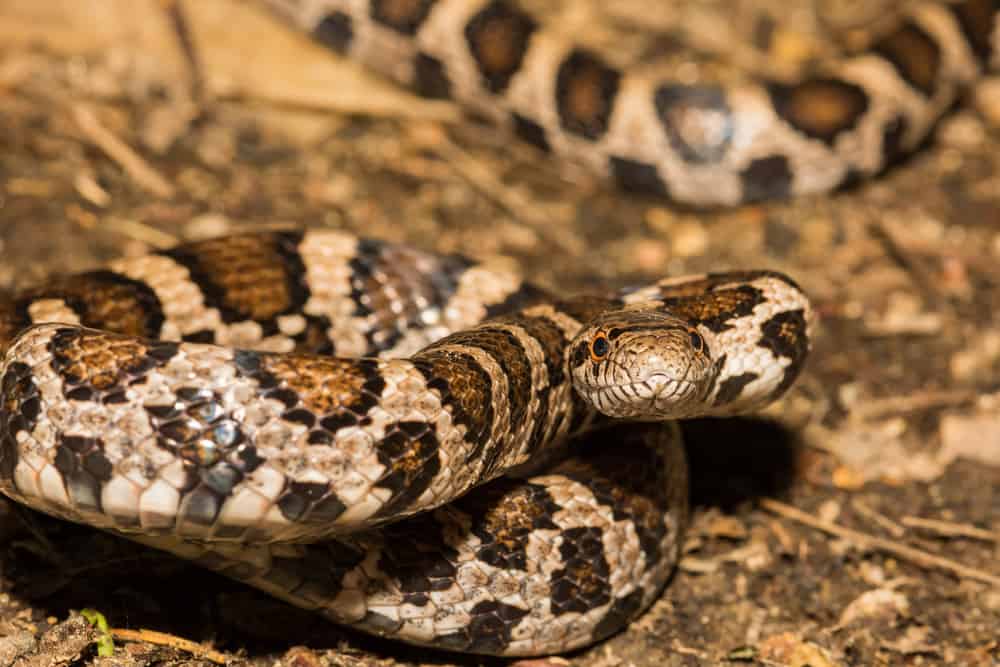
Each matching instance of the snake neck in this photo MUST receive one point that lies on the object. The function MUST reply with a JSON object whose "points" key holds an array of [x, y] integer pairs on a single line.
{"points": [[508, 381]]}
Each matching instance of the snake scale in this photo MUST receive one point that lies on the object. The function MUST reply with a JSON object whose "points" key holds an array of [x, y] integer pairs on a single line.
{"points": [[703, 144], [415, 445]]}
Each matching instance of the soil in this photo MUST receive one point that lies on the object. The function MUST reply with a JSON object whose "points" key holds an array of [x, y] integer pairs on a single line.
{"points": [[856, 522]]}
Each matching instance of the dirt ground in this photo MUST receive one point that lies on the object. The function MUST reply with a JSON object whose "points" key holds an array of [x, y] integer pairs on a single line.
{"points": [[856, 522]]}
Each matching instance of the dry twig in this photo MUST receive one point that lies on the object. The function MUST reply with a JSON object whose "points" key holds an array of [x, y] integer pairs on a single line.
{"points": [[915, 556], [951, 529], [878, 408], [185, 39], [139, 231], [164, 639], [116, 149], [869, 513]]}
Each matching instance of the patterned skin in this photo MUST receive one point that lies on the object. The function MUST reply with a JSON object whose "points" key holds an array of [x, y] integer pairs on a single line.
{"points": [[702, 144], [191, 400]]}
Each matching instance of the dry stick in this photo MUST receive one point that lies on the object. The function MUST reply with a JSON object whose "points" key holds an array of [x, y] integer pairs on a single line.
{"points": [[925, 400], [185, 39], [116, 149], [888, 524], [916, 556], [164, 639], [140, 231], [951, 529], [981, 260]]}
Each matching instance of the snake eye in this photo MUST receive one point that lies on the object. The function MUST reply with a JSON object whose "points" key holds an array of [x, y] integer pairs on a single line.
{"points": [[599, 347], [697, 342]]}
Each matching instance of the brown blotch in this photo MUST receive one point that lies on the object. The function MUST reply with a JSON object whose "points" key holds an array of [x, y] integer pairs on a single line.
{"points": [[585, 91], [404, 16], [498, 39], [467, 387], [785, 334], [102, 300], [550, 338], [502, 515], [95, 359], [114, 307], [686, 289], [583, 584], [324, 385], [508, 353], [410, 454], [914, 55], [821, 108], [711, 281], [248, 277], [510, 520], [715, 309], [411, 458]]}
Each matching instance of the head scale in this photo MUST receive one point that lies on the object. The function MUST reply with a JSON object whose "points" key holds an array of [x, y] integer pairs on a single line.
{"points": [[643, 364]]}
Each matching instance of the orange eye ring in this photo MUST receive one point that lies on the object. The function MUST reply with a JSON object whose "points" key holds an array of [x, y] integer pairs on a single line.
{"points": [[600, 347]]}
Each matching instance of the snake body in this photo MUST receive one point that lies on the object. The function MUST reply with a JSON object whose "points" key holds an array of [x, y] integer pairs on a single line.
{"points": [[271, 405], [701, 144]]}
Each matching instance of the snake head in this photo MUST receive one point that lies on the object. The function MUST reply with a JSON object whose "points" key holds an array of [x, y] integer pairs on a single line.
{"points": [[641, 363]]}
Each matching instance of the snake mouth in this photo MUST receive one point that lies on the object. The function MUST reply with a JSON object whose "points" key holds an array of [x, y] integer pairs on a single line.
{"points": [[669, 383], [650, 397]]}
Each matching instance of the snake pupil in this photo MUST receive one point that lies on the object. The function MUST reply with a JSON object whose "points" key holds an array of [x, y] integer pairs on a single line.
{"points": [[696, 340], [599, 347]]}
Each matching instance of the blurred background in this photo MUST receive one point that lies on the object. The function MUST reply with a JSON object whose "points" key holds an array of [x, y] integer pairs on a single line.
{"points": [[129, 125]]}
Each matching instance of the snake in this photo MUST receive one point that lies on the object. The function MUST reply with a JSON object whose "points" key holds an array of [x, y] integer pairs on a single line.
{"points": [[703, 144], [420, 446]]}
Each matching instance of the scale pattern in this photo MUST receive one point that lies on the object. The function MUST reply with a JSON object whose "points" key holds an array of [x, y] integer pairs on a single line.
{"points": [[378, 433], [702, 144]]}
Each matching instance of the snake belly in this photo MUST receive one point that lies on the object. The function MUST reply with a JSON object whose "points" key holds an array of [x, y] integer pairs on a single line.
{"points": [[274, 405], [703, 144]]}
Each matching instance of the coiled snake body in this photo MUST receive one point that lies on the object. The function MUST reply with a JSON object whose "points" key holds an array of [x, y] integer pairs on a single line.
{"points": [[702, 144], [386, 382]]}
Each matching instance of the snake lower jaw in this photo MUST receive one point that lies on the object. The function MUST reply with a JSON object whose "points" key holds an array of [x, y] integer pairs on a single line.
{"points": [[657, 397]]}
